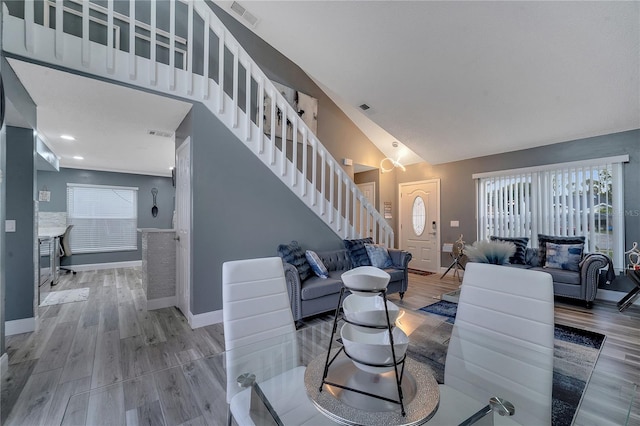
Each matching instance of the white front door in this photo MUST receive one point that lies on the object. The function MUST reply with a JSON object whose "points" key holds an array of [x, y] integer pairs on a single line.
{"points": [[368, 189], [183, 226], [420, 223]]}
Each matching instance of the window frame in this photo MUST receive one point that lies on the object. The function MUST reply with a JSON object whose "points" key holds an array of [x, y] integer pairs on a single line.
{"points": [[540, 199]]}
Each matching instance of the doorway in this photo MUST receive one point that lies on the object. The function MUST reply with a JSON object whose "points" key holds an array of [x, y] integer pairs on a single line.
{"points": [[420, 223], [183, 227]]}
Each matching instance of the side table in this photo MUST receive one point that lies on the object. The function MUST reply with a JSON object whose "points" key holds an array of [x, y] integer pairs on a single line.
{"points": [[627, 300]]}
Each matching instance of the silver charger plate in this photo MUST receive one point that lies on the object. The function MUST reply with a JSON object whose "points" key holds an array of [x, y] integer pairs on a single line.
{"points": [[419, 388]]}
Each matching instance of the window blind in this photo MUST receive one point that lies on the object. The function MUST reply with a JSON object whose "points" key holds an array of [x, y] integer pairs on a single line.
{"points": [[104, 218], [573, 199]]}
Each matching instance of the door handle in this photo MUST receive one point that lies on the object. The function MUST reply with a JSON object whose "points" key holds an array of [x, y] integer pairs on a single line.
{"points": [[177, 238]]}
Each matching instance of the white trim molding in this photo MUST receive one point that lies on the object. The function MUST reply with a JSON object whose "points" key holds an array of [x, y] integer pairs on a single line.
{"points": [[163, 302], [204, 319], [109, 265], [19, 326]]}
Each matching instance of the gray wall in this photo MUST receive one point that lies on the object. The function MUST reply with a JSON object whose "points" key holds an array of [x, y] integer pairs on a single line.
{"points": [[240, 209], [458, 194], [19, 245], [16, 93], [56, 182]]}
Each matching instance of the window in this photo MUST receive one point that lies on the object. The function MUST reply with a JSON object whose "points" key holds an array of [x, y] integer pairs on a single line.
{"points": [[419, 216], [104, 218], [579, 198]]}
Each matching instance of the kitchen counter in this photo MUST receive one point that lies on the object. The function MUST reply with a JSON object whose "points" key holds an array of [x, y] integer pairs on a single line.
{"points": [[159, 267]]}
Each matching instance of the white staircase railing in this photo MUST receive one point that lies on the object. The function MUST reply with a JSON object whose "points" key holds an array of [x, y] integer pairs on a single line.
{"points": [[179, 64]]}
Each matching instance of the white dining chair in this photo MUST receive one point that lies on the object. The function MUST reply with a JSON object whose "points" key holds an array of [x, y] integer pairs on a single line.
{"points": [[501, 345], [260, 339]]}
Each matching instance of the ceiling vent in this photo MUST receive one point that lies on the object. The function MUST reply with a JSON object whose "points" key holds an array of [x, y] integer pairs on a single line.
{"points": [[364, 107], [160, 133], [241, 11]]}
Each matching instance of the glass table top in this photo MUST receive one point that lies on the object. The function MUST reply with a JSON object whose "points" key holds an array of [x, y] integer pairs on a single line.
{"points": [[199, 391]]}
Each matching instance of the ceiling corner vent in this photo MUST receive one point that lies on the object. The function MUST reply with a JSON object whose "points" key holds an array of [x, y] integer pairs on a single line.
{"points": [[241, 11], [160, 133], [364, 107]]}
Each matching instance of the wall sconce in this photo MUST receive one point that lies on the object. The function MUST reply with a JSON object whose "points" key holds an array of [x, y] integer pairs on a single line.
{"points": [[388, 164]]}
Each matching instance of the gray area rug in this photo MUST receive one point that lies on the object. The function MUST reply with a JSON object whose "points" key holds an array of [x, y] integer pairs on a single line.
{"points": [[575, 354], [66, 296]]}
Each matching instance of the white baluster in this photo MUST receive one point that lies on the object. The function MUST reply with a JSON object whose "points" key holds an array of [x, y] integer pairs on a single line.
{"points": [[361, 209], [355, 212], [153, 66], [29, 23], [323, 198], [314, 169], [86, 49], [207, 53], [221, 71], [347, 212], [132, 40], [304, 161], [190, 49], [272, 136], [172, 45], [59, 26], [339, 174], [294, 152], [260, 119], [331, 190], [236, 77], [247, 100], [283, 140]]}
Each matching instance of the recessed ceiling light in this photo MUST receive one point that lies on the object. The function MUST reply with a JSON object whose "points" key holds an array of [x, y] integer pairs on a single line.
{"points": [[78, 157], [67, 137]]}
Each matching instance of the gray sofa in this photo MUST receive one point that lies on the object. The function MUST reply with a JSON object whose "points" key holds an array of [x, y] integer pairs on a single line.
{"points": [[581, 285], [316, 295]]}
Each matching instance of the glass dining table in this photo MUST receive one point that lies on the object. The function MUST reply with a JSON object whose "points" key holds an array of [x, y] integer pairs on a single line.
{"points": [[199, 391]]}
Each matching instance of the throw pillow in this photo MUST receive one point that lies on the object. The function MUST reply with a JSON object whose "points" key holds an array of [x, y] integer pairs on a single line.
{"points": [[293, 254], [378, 256], [316, 264], [564, 256], [544, 239], [519, 256], [357, 251]]}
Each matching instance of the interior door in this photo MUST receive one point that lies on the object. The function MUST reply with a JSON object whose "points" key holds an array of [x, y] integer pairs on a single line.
{"points": [[183, 227], [368, 189], [419, 223]]}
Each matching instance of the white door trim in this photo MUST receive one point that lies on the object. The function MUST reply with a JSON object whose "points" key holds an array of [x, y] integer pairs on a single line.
{"points": [[438, 224], [183, 303]]}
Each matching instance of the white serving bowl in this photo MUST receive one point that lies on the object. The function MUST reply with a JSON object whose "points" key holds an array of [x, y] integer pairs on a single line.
{"points": [[369, 310], [366, 278], [373, 348]]}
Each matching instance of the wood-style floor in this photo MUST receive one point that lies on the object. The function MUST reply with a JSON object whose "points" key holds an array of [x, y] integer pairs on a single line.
{"points": [[112, 337]]}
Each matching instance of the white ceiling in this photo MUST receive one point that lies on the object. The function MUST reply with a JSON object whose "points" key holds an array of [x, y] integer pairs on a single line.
{"points": [[109, 122], [454, 80]]}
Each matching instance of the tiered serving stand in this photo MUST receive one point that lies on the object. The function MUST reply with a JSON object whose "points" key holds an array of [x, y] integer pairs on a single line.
{"points": [[354, 391]]}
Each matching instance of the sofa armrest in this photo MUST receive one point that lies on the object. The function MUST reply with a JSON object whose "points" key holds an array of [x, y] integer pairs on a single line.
{"points": [[401, 259], [590, 272], [294, 288]]}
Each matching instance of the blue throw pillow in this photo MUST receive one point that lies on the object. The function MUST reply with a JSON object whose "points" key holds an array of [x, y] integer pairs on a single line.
{"points": [[378, 255], [564, 256], [293, 254], [544, 239], [519, 257], [316, 264], [357, 252]]}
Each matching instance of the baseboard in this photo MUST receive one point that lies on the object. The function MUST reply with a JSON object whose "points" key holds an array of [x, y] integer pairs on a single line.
{"points": [[204, 319], [109, 265], [613, 296], [25, 325], [4, 364], [163, 302]]}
